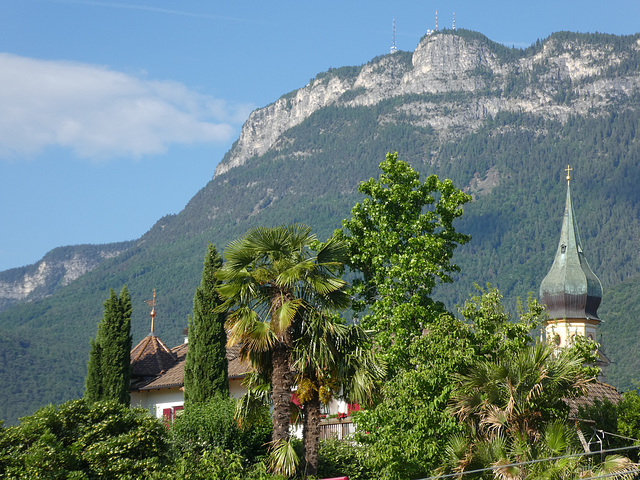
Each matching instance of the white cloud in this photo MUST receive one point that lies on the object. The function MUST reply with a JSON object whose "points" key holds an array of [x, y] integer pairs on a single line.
{"points": [[100, 113]]}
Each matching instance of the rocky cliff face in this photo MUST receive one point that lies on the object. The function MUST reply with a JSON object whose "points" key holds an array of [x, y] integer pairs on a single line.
{"points": [[559, 77], [57, 269]]}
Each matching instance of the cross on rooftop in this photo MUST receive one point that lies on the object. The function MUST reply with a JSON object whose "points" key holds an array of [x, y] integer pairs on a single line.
{"points": [[152, 304]]}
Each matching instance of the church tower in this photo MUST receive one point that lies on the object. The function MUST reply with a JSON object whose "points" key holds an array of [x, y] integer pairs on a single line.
{"points": [[570, 291]]}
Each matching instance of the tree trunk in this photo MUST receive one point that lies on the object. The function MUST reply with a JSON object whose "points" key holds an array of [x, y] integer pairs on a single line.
{"points": [[281, 393], [311, 434]]}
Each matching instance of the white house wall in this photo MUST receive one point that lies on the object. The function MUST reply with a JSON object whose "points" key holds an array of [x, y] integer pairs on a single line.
{"points": [[157, 400]]}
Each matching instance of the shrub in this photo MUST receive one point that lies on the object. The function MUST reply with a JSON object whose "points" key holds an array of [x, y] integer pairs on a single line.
{"points": [[82, 440], [339, 458], [212, 425], [214, 464]]}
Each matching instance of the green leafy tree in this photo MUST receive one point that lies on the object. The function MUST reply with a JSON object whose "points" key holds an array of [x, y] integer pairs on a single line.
{"points": [[406, 434], [206, 366], [628, 418], [84, 440], [495, 333], [212, 425], [109, 366], [401, 241], [272, 281]]}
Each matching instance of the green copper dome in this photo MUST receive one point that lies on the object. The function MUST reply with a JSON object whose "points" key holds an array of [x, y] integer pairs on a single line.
{"points": [[570, 289]]}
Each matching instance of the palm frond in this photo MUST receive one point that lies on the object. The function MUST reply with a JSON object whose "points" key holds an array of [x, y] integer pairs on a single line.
{"points": [[495, 421], [284, 315], [240, 323], [556, 437], [616, 464], [332, 253], [259, 338], [255, 398], [294, 272], [283, 459], [504, 470]]}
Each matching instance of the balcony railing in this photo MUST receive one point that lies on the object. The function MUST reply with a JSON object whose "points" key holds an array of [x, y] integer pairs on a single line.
{"points": [[338, 428]]}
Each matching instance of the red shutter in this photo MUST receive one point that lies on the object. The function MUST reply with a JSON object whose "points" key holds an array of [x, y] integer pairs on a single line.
{"points": [[167, 416]]}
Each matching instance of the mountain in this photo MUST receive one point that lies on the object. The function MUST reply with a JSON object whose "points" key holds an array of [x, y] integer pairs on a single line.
{"points": [[502, 123], [57, 269]]}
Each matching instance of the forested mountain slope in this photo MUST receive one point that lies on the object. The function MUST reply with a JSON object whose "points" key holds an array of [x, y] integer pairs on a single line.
{"points": [[501, 123]]}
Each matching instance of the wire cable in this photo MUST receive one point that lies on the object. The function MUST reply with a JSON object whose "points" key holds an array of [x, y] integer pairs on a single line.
{"points": [[529, 462], [607, 475], [619, 436]]}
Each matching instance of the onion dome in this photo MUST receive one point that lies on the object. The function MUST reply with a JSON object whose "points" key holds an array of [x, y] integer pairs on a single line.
{"points": [[570, 290]]}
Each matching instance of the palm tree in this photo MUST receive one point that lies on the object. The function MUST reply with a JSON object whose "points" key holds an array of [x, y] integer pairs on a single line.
{"points": [[554, 455], [273, 281], [515, 415], [517, 395], [331, 359]]}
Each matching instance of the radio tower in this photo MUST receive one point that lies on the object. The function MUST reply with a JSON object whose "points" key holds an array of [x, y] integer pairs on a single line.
{"points": [[454, 20], [436, 20], [394, 49]]}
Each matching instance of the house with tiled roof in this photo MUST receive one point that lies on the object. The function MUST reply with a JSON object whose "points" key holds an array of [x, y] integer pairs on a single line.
{"points": [[157, 373], [157, 382]]}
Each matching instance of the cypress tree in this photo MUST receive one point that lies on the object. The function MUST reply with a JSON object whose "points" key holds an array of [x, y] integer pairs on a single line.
{"points": [[109, 366], [205, 371]]}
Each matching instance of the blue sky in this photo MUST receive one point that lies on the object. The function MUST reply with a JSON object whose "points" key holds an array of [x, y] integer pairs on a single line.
{"points": [[115, 113]]}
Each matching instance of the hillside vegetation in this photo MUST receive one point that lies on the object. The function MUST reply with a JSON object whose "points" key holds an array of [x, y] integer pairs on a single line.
{"points": [[501, 123]]}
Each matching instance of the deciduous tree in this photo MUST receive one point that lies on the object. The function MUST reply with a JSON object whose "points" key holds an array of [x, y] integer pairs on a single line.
{"points": [[401, 240]]}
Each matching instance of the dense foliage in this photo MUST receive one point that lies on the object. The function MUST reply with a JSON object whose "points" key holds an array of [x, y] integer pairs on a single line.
{"points": [[213, 464], [211, 425], [406, 434], [109, 366], [83, 440], [401, 240], [205, 370]]}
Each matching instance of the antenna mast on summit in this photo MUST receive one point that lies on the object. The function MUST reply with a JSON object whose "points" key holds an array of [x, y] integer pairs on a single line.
{"points": [[436, 20], [454, 20], [394, 49]]}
